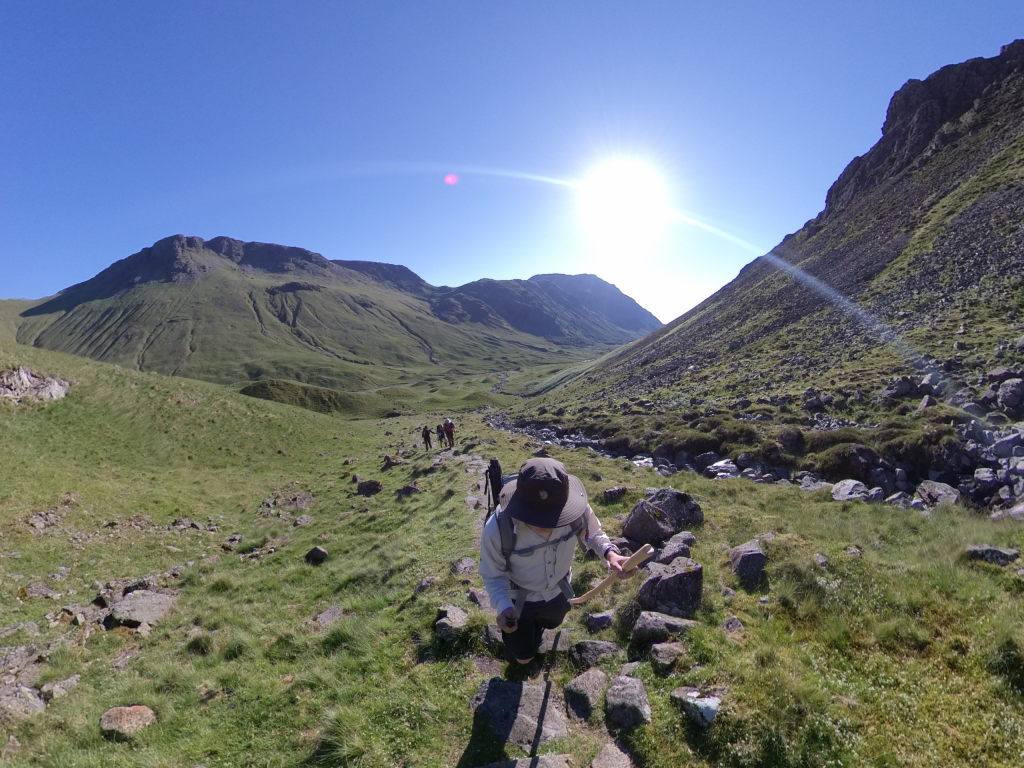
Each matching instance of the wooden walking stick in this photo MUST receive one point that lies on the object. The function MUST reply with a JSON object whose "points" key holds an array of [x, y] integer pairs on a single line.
{"points": [[634, 561]]}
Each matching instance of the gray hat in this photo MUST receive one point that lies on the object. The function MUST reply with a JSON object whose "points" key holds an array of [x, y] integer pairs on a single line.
{"points": [[544, 494]]}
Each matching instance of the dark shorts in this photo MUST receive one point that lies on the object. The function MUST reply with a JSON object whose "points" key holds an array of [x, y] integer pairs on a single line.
{"points": [[536, 617]]}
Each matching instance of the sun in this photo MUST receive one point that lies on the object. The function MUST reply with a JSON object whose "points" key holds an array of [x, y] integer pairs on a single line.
{"points": [[624, 207]]}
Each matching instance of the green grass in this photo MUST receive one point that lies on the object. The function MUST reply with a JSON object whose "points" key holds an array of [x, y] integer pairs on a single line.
{"points": [[835, 669]]}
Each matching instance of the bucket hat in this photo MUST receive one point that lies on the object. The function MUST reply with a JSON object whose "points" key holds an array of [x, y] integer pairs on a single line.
{"points": [[544, 494]]}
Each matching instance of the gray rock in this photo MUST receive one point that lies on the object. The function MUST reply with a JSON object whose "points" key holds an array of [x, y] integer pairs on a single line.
{"points": [[583, 693], [1011, 394], [331, 615], [126, 721], [748, 561], [611, 756], [302, 521], [451, 622], [875, 496], [141, 607], [849, 490], [494, 640], [626, 705], [900, 499], [555, 640], [732, 625], [480, 598], [38, 589], [597, 621], [654, 627], [316, 555], [663, 514], [678, 546], [463, 566], [722, 469], [586, 653], [426, 583], [665, 655], [702, 710], [515, 710], [1001, 556], [58, 688], [674, 589], [932, 493], [820, 560], [540, 761], [19, 701]]}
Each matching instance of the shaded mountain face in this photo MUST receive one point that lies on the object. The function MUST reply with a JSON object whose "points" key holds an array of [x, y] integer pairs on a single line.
{"points": [[916, 263], [226, 310]]}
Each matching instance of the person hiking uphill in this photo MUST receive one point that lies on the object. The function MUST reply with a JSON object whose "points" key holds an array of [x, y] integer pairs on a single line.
{"points": [[529, 588], [440, 436], [449, 432], [426, 437]]}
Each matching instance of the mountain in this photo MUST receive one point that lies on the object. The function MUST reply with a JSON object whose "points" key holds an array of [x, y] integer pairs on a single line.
{"points": [[920, 245], [229, 311]]}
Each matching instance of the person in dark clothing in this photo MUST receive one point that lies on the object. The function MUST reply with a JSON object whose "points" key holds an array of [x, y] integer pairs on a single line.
{"points": [[426, 437], [440, 435], [449, 432]]}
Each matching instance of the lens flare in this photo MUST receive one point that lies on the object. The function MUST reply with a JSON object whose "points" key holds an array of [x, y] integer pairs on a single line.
{"points": [[451, 179]]}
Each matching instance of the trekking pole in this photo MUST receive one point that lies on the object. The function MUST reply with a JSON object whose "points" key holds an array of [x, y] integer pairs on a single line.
{"points": [[634, 561]]}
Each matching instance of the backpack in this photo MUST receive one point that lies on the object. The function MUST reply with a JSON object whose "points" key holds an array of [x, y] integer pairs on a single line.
{"points": [[494, 481]]}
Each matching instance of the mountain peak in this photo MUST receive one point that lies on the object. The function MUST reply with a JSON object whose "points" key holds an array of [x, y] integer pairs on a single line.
{"points": [[916, 118]]}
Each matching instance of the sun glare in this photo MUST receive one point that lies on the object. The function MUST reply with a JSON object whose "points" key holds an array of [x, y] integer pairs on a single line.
{"points": [[624, 207]]}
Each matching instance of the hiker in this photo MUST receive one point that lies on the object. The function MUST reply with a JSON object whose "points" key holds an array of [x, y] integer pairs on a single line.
{"points": [[449, 432], [440, 436], [529, 585], [426, 437]]}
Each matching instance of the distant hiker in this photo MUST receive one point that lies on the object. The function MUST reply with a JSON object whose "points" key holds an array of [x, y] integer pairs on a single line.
{"points": [[449, 432], [440, 435], [426, 437], [526, 552]]}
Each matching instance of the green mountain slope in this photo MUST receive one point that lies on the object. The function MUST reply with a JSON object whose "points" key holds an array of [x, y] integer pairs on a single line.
{"points": [[228, 311]]}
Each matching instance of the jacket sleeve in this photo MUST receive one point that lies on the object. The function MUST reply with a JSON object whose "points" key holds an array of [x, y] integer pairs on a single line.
{"points": [[597, 539], [492, 567]]}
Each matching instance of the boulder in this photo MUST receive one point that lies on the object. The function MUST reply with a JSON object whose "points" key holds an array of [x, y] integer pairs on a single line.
{"points": [[665, 655], [701, 710], [1011, 394], [369, 487], [723, 469], [57, 688], [541, 761], [583, 693], [678, 546], [328, 617], [451, 621], [19, 701], [932, 493], [849, 490], [748, 561], [611, 756], [654, 627], [463, 566], [674, 588], [595, 622], [1001, 556], [626, 705], [126, 721], [732, 625], [661, 515], [586, 653], [316, 555], [140, 607], [899, 499], [525, 714]]}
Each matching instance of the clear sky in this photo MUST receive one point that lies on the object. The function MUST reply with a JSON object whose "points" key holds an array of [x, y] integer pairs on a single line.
{"points": [[332, 126]]}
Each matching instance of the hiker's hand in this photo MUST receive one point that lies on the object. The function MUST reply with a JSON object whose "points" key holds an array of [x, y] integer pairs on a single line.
{"points": [[507, 620], [616, 561]]}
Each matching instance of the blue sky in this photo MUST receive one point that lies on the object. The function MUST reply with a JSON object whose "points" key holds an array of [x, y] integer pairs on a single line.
{"points": [[331, 126]]}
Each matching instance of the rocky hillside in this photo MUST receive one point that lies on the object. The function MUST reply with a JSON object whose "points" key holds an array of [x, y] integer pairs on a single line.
{"points": [[229, 311], [923, 231], [885, 339]]}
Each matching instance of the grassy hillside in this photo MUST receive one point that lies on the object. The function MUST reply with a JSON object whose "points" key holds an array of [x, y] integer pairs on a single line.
{"points": [[836, 665]]}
